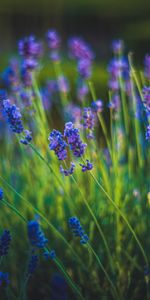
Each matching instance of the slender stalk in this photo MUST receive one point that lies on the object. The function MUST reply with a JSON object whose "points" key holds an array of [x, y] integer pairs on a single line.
{"points": [[58, 263], [96, 223], [53, 228], [114, 291], [124, 218]]}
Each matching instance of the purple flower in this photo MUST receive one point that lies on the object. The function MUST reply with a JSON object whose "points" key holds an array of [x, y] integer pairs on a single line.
{"points": [[115, 102], [87, 167], [36, 235], [79, 49], [117, 67], [26, 77], [10, 76], [77, 230], [63, 84], [97, 105], [148, 132], [146, 94], [28, 138], [88, 120], [147, 66], [73, 139], [4, 279], [5, 240], [68, 172], [84, 68], [57, 144], [53, 39], [82, 91], [33, 263], [50, 254], [29, 64], [29, 47], [117, 46], [13, 115], [1, 194]]}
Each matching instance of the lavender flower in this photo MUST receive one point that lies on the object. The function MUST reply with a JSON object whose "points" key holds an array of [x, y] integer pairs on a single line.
{"points": [[88, 121], [117, 46], [84, 68], [147, 66], [4, 279], [28, 138], [57, 144], [82, 91], [148, 132], [5, 240], [68, 172], [146, 94], [97, 106], [117, 68], [26, 77], [1, 194], [77, 230], [114, 103], [35, 234], [13, 115], [63, 84], [29, 47], [87, 167], [73, 139], [53, 39], [33, 263], [50, 254], [79, 49], [10, 76]]}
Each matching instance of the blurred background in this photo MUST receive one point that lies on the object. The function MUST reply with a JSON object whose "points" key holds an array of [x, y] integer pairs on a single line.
{"points": [[99, 21]]}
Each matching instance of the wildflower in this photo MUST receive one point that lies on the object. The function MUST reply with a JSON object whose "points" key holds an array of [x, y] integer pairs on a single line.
{"points": [[84, 68], [53, 39], [29, 47], [10, 76], [50, 254], [69, 171], [117, 46], [146, 94], [1, 194], [4, 279], [147, 66], [77, 230], [33, 263], [79, 49], [114, 103], [63, 84], [26, 77], [82, 91], [73, 139], [35, 234], [13, 116], [148, 132], [57, 144], [28, 138], [89, 121], [87, 167], [97, 105], [5, 240], [117, 67]]}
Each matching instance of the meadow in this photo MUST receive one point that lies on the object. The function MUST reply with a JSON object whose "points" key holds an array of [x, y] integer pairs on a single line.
{"points": [[74, 173]]}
